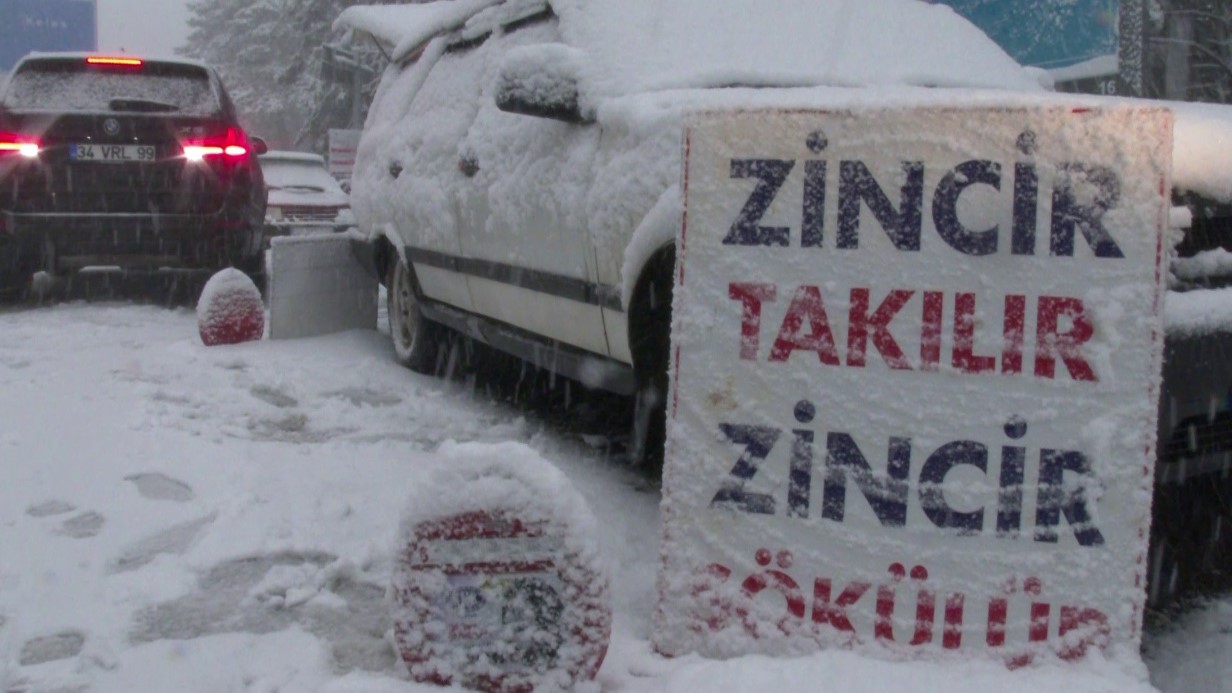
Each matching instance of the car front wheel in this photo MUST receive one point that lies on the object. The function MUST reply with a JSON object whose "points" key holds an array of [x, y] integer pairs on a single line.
{"points": [[415, 338], [650, 325]]}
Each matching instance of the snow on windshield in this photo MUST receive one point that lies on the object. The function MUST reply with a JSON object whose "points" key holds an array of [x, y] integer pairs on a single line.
{"points": [[297, 173]]}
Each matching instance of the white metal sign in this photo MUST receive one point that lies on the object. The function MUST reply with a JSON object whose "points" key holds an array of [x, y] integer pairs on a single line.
{"points": [[342, 147], [916, 357]]}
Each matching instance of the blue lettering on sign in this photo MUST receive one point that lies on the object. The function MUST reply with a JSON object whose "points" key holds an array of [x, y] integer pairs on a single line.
{"points": [[1102, 191], [1082, 195], [945, 207], [770, 175], [757, 442], [888, 495], [902, 225]]}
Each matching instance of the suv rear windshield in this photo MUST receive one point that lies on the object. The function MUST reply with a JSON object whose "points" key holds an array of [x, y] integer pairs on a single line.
{"points": [[73, 85]]}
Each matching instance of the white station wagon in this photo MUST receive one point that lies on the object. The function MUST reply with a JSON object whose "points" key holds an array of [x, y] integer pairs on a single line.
{"points": [[519, 171]]}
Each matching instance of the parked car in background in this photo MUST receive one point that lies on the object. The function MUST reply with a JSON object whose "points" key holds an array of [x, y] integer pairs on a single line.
{"points": [[519, 171], [116, 162], [303, 196]]}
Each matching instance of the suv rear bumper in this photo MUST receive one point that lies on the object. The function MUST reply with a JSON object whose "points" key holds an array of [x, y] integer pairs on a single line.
{"points": [[66, 242]]}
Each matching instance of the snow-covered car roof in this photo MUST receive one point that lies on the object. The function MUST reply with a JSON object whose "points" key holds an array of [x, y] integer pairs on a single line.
{"points": [[630, 47], [633, 46]]}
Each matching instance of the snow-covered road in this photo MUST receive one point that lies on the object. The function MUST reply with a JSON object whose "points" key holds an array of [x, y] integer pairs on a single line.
{"points": [[182, 518]]}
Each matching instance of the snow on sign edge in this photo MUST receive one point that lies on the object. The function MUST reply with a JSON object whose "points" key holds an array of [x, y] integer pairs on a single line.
{"points": [[695, 564]]}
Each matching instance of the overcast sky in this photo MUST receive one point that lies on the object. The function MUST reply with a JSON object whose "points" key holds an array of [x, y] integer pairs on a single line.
{"points": [[151, 27]]}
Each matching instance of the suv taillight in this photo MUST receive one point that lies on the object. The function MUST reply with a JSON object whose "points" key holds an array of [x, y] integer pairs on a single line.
{"points": [[114, 61], [231, 145], [17, 143]]}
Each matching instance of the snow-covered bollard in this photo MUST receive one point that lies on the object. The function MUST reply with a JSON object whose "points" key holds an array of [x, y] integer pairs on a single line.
{"points": [[230, 310], [498, 582]]}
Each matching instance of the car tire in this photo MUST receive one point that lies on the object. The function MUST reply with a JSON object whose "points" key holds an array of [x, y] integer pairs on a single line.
{"points": [[650, 321], [11, 274], [416, 339]]}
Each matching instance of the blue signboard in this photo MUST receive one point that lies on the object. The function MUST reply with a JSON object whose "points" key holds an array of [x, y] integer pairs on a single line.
{"points": [[45, 25], [1046, 33]]}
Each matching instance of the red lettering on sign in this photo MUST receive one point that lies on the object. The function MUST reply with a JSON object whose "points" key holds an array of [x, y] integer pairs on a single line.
{"points": [[751, 297], [835, 613], [965, 359], [861, 321], [1080, 627], [1063, 327], [1013, 331], [806, 304], [930, 336], [1053, 341], [1091, 625]]}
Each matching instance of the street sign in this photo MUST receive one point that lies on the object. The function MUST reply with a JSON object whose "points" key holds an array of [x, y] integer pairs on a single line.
{"points": [[343, 144], [916, 358], [498, 584], [45, 25]]}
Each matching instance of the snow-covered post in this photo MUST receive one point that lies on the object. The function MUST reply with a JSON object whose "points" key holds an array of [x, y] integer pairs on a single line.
{"points": [[230, 310], [498, 581]]}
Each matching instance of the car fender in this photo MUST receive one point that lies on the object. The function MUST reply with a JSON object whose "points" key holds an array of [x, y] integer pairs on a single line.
{"points": [[372, 248], [657, 229]]}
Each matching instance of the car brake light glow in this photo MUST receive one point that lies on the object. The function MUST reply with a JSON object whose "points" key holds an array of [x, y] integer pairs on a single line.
{"points": [[233, 144], [109, 60], [25, 145]]}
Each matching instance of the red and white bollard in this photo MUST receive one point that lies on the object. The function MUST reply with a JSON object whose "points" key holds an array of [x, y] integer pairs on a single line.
{"points": [[230, 310]]}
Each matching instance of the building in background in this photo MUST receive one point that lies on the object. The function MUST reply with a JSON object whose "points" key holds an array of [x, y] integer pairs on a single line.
{"points": [[46, 25]]}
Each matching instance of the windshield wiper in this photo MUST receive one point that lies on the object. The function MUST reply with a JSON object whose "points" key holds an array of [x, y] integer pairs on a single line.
{"points": [[141, 105]]}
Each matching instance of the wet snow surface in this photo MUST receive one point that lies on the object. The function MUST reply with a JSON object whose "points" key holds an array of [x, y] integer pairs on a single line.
{"points": [[176, 517]]}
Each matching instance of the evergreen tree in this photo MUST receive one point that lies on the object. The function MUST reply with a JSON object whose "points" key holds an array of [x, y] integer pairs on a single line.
{"points": [[269, 53]]}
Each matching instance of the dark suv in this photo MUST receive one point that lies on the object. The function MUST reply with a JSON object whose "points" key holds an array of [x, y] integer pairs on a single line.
{"points": [[119, 163]]}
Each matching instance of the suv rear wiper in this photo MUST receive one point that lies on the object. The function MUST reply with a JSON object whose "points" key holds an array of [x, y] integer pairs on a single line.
{"points": [[141, 105]]}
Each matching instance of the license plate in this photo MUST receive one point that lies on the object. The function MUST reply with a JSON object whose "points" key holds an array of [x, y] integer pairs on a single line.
{"points": [[118, 153]]}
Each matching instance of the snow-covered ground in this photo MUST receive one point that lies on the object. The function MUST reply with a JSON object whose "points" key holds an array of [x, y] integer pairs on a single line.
{"points": [[181, 518]]}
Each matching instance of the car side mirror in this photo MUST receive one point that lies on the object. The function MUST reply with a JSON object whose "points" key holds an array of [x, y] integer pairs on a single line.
{"points": [[543, 81], [258, 145]]}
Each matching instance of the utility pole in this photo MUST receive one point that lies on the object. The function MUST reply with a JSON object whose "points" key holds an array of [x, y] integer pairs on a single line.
{"points": [[342, 66], [1131, 51]]}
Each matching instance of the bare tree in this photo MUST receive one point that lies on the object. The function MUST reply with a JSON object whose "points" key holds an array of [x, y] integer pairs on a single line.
{"points": [[1190, 50], [269, 55]]}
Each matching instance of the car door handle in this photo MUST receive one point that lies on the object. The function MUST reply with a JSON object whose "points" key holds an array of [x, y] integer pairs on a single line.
{"points": [[395, 169]]}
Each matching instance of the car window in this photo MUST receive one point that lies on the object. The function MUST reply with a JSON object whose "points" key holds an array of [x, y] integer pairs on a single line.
{"points": [[72, 85]]}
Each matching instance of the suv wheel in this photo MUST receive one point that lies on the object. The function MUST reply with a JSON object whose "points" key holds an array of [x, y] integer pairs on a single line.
{"points": [[415, 338], [650, 322]]}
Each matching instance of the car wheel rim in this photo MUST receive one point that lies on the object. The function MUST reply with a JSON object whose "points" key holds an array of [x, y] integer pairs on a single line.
{"points": [[404, 311]]}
